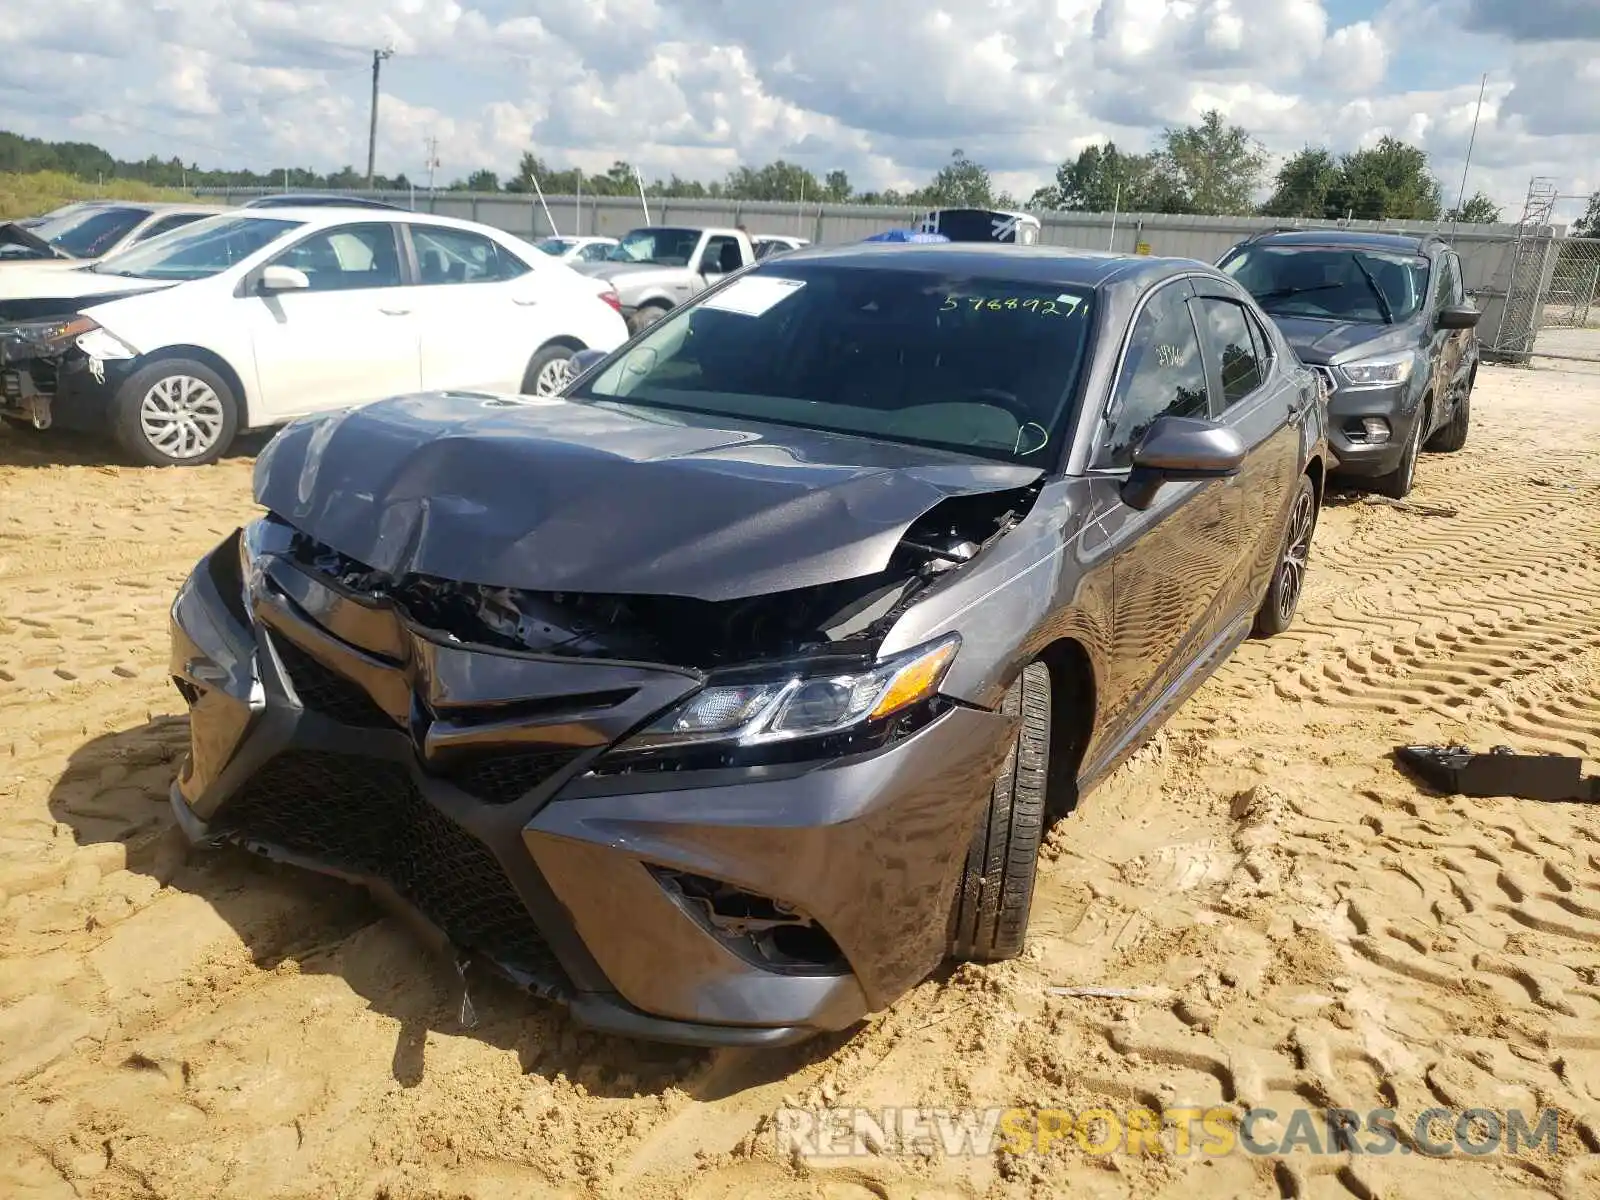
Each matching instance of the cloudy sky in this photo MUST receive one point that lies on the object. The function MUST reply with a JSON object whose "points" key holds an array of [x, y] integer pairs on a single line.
{"points": [[881, 88]]}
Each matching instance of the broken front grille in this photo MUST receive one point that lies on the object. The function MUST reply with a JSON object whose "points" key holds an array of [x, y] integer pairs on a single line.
{"points": [[324, 691], [366, 817]]}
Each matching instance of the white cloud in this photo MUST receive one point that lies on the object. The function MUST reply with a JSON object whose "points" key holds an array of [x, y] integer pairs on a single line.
{"points": [[881, 88]]}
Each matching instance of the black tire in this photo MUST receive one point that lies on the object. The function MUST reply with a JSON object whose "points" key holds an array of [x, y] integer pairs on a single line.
{"points": [[1289, 577], [220, 425], [995, 893], [1397, 484], [1453, 434], [538, 364], [645, 316]]}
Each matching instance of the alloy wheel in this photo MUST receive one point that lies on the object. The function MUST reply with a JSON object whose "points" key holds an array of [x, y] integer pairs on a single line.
{"points": [[552, 377], [181, 416], [1296, 552]]}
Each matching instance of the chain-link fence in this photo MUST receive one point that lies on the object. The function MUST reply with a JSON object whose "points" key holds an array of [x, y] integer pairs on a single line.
{"points": [[1569, 318]]}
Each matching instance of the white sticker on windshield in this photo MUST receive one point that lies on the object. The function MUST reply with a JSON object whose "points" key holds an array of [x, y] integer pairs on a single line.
{"points": [[754, 294], [1071, 302]]}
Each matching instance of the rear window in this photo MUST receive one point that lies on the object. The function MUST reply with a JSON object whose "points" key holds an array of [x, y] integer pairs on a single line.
{"points": [[979, 365]]}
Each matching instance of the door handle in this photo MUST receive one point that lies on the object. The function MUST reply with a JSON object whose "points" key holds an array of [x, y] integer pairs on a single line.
{"points": [[395, 312], [525, 303]]}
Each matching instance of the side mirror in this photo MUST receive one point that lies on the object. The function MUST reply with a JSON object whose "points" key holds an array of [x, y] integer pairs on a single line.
{"points": [[1181, 448], [1459, 316], [582, 361], [284, 279]]}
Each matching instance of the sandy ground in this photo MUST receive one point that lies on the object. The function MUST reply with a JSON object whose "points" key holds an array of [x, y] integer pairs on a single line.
{"points": [[204, 1025]]}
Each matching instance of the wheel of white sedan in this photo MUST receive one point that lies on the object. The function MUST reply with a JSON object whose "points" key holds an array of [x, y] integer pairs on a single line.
{"points": [[176, 413], [548, 372]]}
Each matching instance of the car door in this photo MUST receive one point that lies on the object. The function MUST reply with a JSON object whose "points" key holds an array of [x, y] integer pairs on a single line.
{"points": [[350, 337], [1264, 407], [721, 256], [483, 311], [1171, 562]]}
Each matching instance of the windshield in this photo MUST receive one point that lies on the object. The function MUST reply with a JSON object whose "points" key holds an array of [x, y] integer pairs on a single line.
{"points": [[1333, 283], [198, 251], [979, 366], [88, 232], [663, 247], [556, 246]]}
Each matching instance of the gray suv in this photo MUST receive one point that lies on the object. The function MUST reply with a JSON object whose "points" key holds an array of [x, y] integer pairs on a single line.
{"points": [[725, 694], [1384, 320]]}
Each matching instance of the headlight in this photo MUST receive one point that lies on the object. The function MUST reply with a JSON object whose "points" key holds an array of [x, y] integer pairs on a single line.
{"points": [[102, 344], [799, 706], [55, 334], [1379, 372]]}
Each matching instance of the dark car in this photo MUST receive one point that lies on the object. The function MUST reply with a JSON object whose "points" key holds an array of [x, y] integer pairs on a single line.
{"points": [[725, 695], [1385, 320], [319, 200]]}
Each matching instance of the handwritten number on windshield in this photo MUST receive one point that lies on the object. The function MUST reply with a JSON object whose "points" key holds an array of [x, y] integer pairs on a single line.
{"points": [[1031, 304]]}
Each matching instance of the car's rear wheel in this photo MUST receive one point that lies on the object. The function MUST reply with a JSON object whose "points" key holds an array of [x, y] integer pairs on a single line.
{"points": [[1289, 577], [1397, 483], [645, 316], [1453, 435], [548, 371], [995, 893], [176, 412]]}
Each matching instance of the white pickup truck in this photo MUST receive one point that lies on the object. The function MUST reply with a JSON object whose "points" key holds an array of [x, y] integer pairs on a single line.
{"points": [[658, 267]]}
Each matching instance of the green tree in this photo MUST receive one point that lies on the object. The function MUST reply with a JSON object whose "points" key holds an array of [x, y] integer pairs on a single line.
{"points": [[1389, 181], [1213, 167], [778, 180], [1588, 225], [1103, 179], [836, 187], [960, 183], [1479, 210], [483, 181], [1303, 184]]}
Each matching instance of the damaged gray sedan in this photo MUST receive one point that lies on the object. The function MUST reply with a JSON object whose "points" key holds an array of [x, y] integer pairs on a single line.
{"points": [[724, 696]]}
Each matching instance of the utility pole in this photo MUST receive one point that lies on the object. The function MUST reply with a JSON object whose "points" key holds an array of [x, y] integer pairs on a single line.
{"points": [[433, 163], [372, 133]]}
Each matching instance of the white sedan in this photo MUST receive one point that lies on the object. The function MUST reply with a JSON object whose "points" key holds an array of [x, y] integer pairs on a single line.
{"points": [[250, 319]]}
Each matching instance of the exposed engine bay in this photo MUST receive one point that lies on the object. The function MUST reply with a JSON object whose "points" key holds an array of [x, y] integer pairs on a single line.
{"points": [[844, 618]]}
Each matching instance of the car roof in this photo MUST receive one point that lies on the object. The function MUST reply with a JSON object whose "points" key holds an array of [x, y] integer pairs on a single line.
{"points": [[1403, 243], [1029, 264], [327, 214]]}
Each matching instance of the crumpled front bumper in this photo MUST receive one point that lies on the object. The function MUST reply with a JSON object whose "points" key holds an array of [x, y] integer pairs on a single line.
{"points": [[330, 732]]}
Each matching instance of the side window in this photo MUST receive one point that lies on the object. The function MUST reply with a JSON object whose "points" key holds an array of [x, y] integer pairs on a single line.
{"points": [[1226, 330], [167, 224], [594, 252], [461, 256], [347, 257], [1162, 375], [1449, 283], [722, 256]]}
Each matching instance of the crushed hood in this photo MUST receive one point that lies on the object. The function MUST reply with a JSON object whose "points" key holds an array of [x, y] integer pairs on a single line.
{"points": [[631, 271], [551, 495], [1323, 341], [68, 285]]}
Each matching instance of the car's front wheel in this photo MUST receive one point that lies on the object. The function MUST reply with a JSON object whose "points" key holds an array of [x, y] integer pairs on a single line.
{"points": [[1453, 435], [995, 893], [176, 412], [1289, 577], [1397, 483], [645, 316]]}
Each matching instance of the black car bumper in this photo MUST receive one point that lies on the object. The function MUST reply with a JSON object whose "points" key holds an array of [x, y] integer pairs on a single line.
{"points": [[1349, 412], [741, 907]]}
